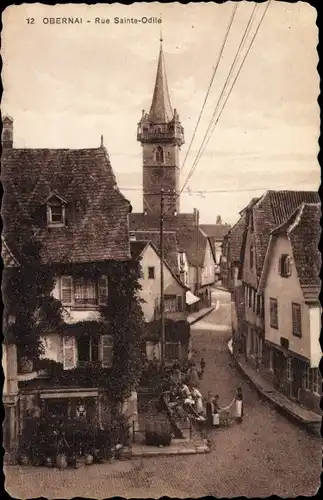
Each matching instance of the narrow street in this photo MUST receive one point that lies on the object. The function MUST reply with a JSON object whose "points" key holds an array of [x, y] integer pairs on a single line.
{"points": [[265, 455]]}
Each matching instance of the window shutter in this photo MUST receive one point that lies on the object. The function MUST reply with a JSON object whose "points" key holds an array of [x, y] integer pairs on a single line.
{"points": [[103, 290], [179, 303], [79, 288], [288, 266], [107, 350], [280, 264], [69, 353], [66, 290]]}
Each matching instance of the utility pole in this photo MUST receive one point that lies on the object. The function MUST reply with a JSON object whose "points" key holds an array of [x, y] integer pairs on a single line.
{"points": [[197, 217], [163, 212], [162, 299]]}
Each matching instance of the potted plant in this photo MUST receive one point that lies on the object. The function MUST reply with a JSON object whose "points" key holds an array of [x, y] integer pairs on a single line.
{"points": [[88, 459], [48, 461], [61, 460], [23, 458]]}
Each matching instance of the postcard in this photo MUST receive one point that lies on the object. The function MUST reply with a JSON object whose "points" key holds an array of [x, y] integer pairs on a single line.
{"points": [[161, 222]]}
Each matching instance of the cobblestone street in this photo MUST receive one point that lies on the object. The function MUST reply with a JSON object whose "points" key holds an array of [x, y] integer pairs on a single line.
{"points": [[264, 455]]}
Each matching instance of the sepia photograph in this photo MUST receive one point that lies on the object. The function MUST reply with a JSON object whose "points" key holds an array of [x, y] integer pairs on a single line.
{"points": [[161, 269]]}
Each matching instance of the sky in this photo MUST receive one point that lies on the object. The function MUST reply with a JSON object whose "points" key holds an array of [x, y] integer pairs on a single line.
{"points": [[65, 85]]}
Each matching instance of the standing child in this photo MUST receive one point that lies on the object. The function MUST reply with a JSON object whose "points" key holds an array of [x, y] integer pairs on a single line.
{"points": [[239, 405], [216, 414], [209, 409]]}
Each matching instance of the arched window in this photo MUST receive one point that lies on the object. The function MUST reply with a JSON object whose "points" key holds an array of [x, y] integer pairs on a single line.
{"points": [[160, 155]]}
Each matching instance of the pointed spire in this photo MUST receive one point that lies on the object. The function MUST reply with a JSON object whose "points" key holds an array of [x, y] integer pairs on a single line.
{"points": [[101, 144], [161, 108]]}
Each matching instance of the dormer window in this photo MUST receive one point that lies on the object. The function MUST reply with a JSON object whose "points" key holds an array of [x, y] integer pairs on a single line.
{"points": [[56, 214], [159, 155], [285, 266]]}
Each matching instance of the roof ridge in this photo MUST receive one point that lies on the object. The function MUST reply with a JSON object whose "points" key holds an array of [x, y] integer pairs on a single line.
{"points": [[287, 223], [295, 218], [54, 149]]}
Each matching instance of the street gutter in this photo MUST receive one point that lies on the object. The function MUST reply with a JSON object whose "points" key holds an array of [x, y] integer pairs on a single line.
{"points": [[313, 425]]}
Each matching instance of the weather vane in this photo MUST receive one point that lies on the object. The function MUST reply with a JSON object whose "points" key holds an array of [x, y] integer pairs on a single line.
{"points": [[161, 31]]}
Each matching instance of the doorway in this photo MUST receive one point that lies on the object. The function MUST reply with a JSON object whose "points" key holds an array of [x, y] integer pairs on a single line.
{"points": [[296, 384]]}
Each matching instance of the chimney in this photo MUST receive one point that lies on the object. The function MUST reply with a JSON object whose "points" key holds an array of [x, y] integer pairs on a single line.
{"points": [[7, 133]]}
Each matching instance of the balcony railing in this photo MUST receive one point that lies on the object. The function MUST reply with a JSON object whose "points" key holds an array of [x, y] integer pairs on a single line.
{"points": [[160, 136]]}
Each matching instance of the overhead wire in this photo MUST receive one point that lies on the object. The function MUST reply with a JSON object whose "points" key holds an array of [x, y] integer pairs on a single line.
{"points": [[210, 191], [235, 79], [233, 65], [205, 139], [211, 83]]}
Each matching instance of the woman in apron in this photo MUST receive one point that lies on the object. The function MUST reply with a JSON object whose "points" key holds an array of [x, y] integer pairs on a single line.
{"points": [[197, 396], [216, 414], [209, 409]]}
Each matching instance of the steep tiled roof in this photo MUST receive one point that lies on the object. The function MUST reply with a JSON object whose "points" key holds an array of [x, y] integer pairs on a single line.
{"points": [[140, 221], [193, 243], [250, 204], [96, 211], [183, 228], [304, 231], [136, 248], [272, 209], [235, 239], [215, 231], [161, 109], [170, 244]]}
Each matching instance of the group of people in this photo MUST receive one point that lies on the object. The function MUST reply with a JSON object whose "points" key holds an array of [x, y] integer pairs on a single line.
{"points": [[187, 396], [213, 409]]}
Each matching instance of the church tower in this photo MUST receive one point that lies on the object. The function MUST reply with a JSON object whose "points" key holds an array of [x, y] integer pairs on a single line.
{"points": [[7, 133], [161, 135]]}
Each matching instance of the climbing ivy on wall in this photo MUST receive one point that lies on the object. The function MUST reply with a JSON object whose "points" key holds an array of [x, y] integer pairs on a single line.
{"points": [[127, 325], [29, 307], [27, 298]]}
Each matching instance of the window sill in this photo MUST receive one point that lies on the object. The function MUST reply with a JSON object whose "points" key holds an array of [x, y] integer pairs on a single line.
{"points": [[85, 307], [56, 224]]}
